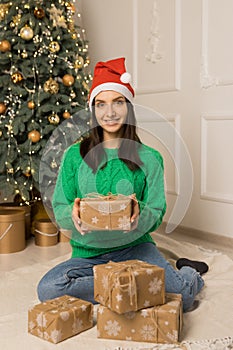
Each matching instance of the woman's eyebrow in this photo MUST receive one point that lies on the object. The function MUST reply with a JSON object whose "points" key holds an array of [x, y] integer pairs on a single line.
{"points": [[114, 99]]}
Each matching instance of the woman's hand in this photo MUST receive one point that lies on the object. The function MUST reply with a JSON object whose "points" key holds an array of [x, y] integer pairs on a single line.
{"points": [[76, 217], [135, 212]]}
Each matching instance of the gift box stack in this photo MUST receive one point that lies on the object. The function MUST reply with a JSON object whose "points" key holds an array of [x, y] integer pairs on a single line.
{"points": [[133, 304], [60, 318], [108, 213]]}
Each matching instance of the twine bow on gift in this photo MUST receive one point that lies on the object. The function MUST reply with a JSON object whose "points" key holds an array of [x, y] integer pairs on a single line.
{"points": [[131, 285]]}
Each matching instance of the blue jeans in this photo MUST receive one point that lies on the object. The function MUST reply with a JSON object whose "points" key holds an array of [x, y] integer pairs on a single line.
{"points": [[75, 276]]}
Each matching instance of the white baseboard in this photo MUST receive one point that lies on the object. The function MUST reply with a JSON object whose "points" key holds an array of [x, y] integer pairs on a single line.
{"points": [[212, 238]]}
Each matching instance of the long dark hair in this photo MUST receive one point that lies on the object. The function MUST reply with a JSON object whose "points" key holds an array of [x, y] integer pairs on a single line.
{"points": [[92, 150]]}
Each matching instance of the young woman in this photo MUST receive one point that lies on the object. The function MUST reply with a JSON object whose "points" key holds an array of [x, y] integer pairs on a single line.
{"points": [[112, 159]]}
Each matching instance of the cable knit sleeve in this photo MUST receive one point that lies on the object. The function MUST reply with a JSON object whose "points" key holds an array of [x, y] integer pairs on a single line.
{"points": [[66, 188], [152, 203]]}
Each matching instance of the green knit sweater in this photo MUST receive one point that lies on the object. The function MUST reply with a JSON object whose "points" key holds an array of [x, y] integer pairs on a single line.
{"points": [[76, 179]]}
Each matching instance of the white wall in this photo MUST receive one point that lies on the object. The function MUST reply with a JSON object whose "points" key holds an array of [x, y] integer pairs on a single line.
{"points": [[190, 82]]}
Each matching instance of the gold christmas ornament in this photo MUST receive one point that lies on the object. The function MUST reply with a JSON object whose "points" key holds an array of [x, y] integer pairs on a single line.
{"points": [[66, 115], [78, 64], [27, 172], [16, 19], [54, 46], [4, 10], [34, 136], [68, 80], [0, 133], [2, 108], [31, 105], [39, 13], [51, 86], [5, 46], [54, 119], [17, 77], [26, 33]]}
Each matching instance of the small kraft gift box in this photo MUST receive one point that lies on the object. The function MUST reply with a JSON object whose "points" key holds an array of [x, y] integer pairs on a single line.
{"points": [[129, 285], [159, 324], [112, 212], [60, 318]]}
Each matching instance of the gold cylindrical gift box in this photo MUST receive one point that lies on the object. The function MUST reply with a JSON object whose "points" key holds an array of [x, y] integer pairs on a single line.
{"points": [[27, 213], [12, 231], [46, 233]]}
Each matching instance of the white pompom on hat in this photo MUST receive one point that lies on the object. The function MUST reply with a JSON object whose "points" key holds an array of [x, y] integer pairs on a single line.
{"points": [[111, 75]]}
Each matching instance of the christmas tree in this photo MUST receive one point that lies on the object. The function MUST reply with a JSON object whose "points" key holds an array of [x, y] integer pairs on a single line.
{"points": [[43, 82]]}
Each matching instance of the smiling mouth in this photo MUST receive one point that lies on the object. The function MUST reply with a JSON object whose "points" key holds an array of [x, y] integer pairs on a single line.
{"points": [[111, 121]]}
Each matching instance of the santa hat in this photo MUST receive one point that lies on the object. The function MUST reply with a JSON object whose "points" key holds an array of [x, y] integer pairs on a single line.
{"points": [[111, 75]]}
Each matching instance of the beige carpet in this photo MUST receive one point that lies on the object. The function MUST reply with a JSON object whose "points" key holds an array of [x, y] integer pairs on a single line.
{"points": [[209, 326]]}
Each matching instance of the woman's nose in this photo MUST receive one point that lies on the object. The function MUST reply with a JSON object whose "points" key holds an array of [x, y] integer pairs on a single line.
{"points": [[110, 110]]}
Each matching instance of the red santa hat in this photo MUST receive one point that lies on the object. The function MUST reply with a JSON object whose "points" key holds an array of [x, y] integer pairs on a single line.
{"points": [[111, 75]]}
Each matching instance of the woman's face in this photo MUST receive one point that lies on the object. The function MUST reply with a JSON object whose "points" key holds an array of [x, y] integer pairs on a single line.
{"points": [[111, 112]]}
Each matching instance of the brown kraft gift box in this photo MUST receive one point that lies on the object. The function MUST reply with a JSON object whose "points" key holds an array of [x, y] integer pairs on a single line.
{"points": [[60, 318], [111, 212], [158, 324], [129, 285]]}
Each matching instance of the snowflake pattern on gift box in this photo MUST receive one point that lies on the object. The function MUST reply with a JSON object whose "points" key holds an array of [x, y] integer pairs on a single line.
{"points": [[31, 325], [173, 336], [77, 326], [56, 335], [41, 320], [124, 223], [103, 208], [148, 332], [105, 282], [64, 315], [112, 328], [94, 220], [155, 285]]}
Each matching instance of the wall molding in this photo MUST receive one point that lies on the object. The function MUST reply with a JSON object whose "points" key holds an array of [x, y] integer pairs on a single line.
{"points": [[206, 79], [199, 236], [176, 85], [173, 119], [205, 194]]}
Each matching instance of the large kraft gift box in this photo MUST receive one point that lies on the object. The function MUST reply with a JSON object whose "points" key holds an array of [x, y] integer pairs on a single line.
{"points": [[159, 324], [129, 285], [60, 318], [112, 212]]}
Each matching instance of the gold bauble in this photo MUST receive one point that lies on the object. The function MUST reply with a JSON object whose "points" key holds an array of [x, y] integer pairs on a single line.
{"points": [[5, 46], [79, 63], [34, 136], [68, 80], [51, 86], [26, 33], [54, 46], [2, 108], [16, 77], [0, 133], [66, 115], [54, 119], [39, 13], [31, 105], [27, 172]]}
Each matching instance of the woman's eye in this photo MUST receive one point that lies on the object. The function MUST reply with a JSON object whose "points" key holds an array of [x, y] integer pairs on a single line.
{"points": [[119, 102], [100, 105]]}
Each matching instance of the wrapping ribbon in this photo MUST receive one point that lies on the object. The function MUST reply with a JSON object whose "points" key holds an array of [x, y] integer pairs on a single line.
{"points": [[60, 305], [110, 196], [154, 318], [130, 286], [5, 232]]}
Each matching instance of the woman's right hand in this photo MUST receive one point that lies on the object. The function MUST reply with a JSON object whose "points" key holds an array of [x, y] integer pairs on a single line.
{"points": [[76, 216]]}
